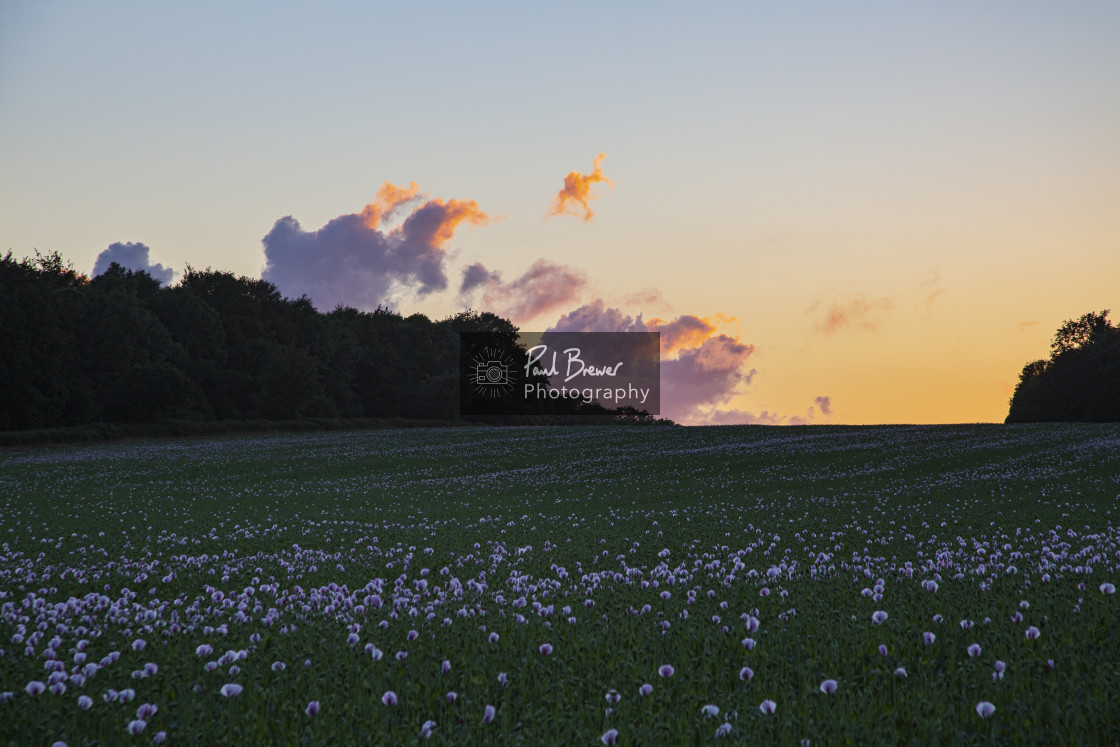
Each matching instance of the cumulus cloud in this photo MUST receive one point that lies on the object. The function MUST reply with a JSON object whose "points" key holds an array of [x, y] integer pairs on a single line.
{"points": [[132, 256], [700, 369], [542, 289], [358, 259], [598, 317], [704, 376], [857, 312], [577, 191]]}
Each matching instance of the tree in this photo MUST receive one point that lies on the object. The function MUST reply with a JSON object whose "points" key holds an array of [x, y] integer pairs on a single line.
{"points": [[1074, 334], [1081, 380]]}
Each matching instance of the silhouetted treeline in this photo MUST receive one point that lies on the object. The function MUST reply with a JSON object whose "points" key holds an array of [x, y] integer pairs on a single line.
{"points": [[1081, 380], [119, 348]]}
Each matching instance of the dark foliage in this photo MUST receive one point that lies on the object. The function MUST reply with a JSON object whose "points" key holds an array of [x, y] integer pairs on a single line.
{"points": [[1081, 380], [119, 349]]}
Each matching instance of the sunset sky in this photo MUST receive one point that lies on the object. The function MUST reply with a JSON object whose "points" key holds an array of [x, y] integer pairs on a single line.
{"points": [[891, 206]]}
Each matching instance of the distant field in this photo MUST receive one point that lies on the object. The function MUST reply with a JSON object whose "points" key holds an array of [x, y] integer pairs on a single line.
{"points": [[545, 576]]}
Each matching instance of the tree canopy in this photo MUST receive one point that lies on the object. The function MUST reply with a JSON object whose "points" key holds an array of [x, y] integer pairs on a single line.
{"points": [[119, 348], [1080, 382]]}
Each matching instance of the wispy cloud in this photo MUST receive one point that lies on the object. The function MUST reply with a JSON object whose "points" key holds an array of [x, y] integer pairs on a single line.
{"points": [[857, 312], [929, 289]]}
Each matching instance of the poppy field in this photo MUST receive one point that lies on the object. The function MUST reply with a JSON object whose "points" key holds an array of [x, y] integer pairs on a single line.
{"points": [[579, 585]]}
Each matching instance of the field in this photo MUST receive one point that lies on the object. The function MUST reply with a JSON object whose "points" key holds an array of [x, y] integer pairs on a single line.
{"points": [[824, 585]]}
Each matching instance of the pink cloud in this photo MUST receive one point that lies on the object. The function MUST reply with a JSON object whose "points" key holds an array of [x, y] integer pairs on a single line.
{"points": [[699, 367], [857, 312], [542, 289]]}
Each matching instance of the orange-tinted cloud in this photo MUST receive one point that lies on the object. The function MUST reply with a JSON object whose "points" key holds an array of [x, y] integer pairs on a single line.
{"points": [[577, 191], [703, 377], [357, 260], [686, 331], [857, 312], [434, 222], [700, 369], [388, 199]]}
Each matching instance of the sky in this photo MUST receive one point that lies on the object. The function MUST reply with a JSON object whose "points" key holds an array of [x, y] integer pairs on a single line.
{"points": [[861, 212]]}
